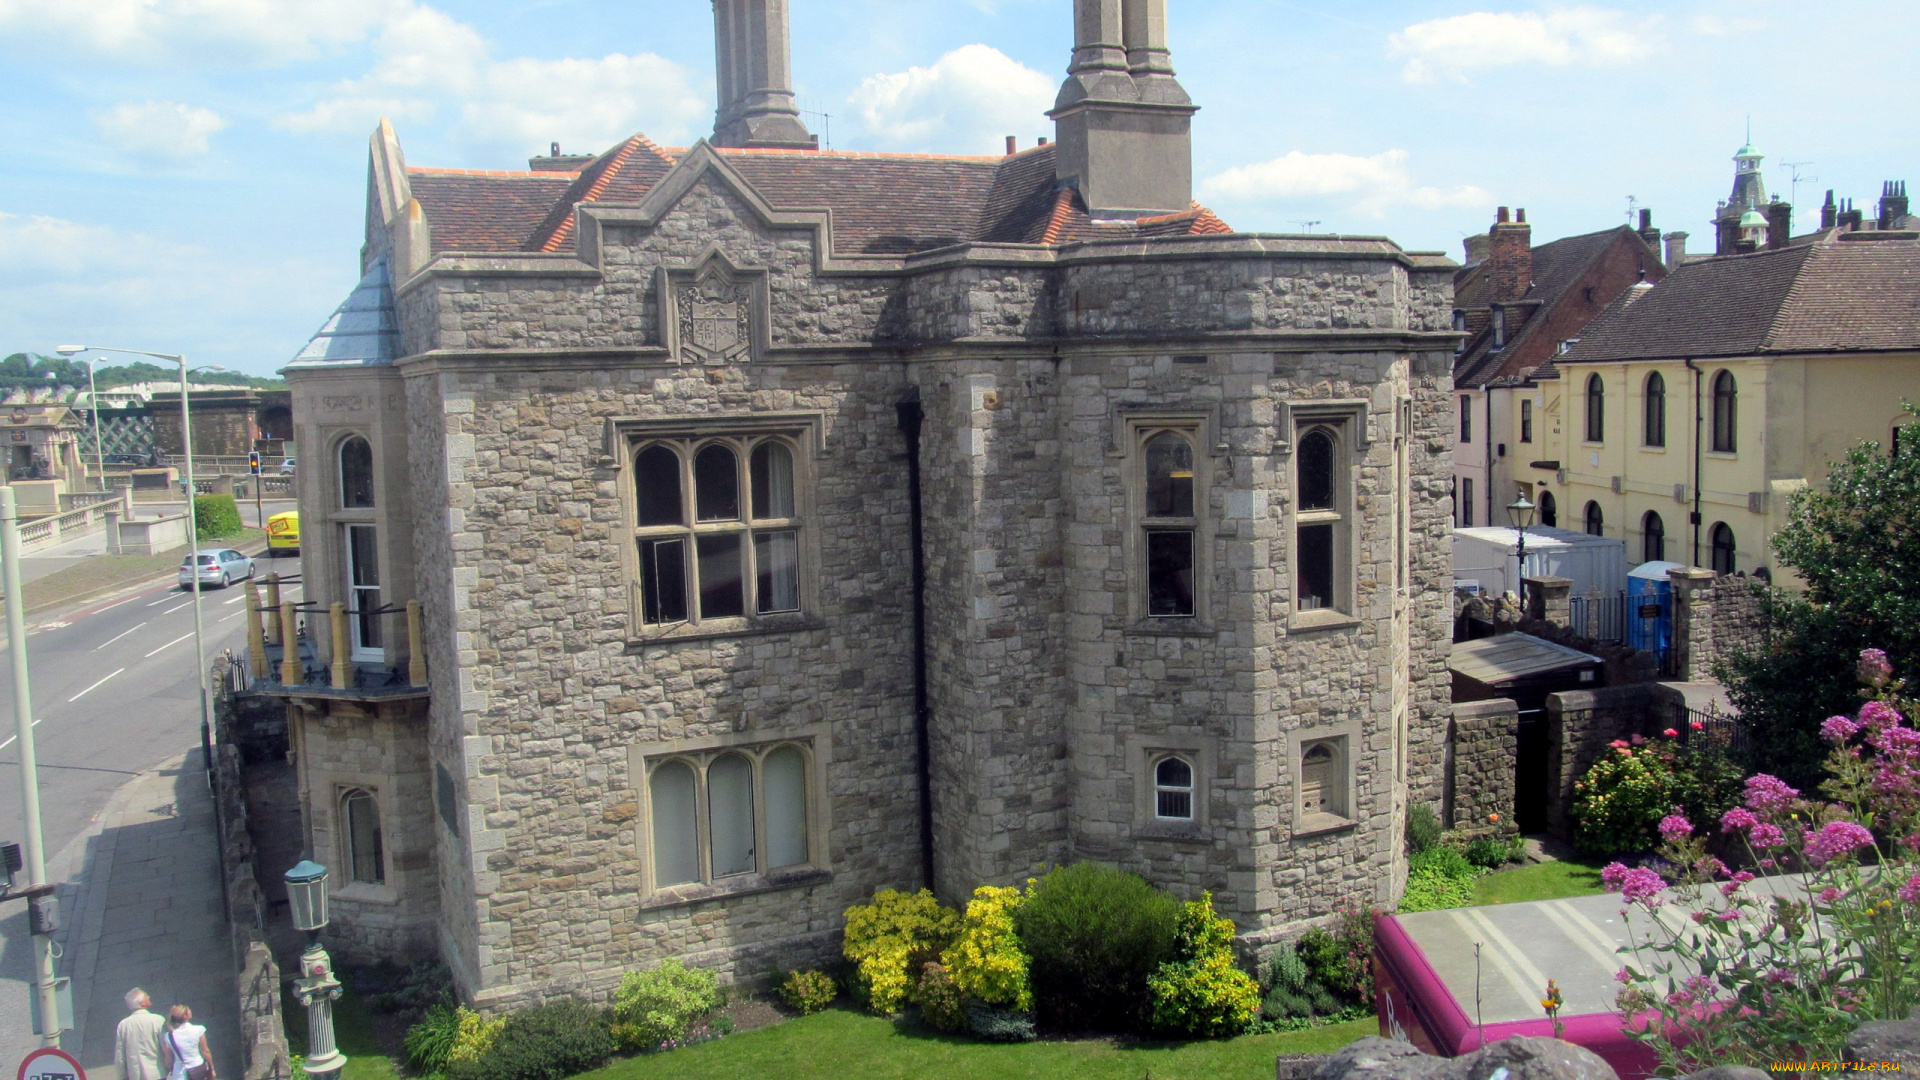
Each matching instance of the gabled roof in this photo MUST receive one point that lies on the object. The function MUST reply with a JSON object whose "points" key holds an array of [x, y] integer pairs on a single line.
{"points": [[1557, 267], [485, 211], [1859, 291]]}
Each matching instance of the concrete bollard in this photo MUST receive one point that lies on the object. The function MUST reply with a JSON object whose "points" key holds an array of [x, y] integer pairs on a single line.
{"points": [[273, 610]]}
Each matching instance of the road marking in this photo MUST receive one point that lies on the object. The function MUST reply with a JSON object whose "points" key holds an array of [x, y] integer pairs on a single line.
{"points": [[171, 596], [92, 688], [10, 738], [50, 626], [170, 644], [182, 607], [113, 605], [229, 618], [117, 637], [236, 599]]}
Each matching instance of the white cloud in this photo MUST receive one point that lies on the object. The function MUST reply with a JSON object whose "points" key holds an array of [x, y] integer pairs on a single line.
{"points": [[159, 130], [963, 103], [1369, 185], [244, 31], [1715, 26], [1454, 47], [429, 60]]}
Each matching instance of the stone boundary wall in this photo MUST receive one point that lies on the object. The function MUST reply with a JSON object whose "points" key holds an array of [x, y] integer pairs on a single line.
{"points": [[1715, 618], [1580, 724], [1482, 742], [263, 1036]]}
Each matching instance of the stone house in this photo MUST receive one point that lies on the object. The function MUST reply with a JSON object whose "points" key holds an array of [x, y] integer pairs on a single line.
{"points": [[699, 540]]}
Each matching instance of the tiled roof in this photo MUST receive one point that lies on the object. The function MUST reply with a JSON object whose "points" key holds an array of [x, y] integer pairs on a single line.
{"points": [[362, 331], [882, 204], [1840, 295], [1557, 266]]}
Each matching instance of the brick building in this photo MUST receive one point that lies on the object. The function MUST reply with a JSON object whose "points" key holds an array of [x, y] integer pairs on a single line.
{"points": [[787, 525]]}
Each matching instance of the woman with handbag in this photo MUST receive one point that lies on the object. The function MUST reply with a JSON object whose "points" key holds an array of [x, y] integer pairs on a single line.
{"points": [[186, 1047]]}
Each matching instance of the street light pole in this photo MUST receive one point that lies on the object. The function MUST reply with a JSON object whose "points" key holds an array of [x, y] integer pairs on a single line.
{"points": [[1520, 512], [93, 405]]}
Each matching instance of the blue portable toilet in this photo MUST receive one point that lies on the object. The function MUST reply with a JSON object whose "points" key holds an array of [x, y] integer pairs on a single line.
{"points": [[1650, 607]]}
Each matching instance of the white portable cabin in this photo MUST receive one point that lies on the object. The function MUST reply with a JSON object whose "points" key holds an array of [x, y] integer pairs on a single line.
{"points": [[1486, 558]]}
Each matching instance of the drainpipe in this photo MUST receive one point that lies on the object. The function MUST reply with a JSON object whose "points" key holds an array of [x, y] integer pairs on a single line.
{"points": [[907, 409], [1698, 418]]}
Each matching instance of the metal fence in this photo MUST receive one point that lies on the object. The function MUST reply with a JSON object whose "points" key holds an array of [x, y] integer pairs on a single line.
{"points": [[1601, 618], [1720, 727]]}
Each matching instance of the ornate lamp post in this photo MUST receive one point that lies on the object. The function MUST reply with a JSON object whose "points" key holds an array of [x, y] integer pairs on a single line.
{"points": [[316, 988], [1520, 512]]}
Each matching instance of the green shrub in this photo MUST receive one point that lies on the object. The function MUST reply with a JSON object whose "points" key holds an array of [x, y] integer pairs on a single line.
{"points": [[808, 992], [430, 1042], [1340, 957], [1432, 889], [1489, 851], [1094, 935], [410, 990], [891, 938], [1423, 828], [1449, 861], [986, 962], [1201, 993], [1292, 993], [994, 1024], [654, 1006], [545, 1042], [1621, 797], [942, 1005], [475, 1039], [216, 516]]}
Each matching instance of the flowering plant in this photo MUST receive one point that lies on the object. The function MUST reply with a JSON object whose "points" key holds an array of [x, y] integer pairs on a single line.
{"points": [[1738, 969], [1622, 796]]}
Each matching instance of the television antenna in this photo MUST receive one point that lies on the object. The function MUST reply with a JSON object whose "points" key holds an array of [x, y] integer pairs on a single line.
{"points": [[1796, 178], [1307, 225], [1633, 203]]}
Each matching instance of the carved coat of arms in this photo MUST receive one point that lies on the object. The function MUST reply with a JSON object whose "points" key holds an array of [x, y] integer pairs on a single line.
{"points": [[716, 317]]}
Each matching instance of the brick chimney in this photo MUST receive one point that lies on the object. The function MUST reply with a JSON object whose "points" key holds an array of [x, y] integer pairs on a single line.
{"points": [[1893, 204], [1647, 232], [1779, 224], [1509, 257], [1676, 250], [1829, 213], [1476, 246], [1850, 219]]}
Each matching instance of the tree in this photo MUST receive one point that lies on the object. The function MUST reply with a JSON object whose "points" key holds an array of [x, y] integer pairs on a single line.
{"points": [[1856, 543]]}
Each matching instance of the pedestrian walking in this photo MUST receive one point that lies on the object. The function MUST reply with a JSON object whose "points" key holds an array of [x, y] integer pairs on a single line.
{"points": [[186, 1045], [137, 1041]]}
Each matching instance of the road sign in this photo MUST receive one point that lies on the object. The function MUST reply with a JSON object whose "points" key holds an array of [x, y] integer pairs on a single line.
{"points": [[50, 1064]]}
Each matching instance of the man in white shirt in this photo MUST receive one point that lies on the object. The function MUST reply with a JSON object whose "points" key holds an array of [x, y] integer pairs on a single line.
{"points": [[136, 1043]]}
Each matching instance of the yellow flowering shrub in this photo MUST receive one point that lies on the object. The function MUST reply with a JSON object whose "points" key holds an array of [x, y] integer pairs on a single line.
{"points": [[987, 963], [1202, 993], [891, 937], [475, 1039]]}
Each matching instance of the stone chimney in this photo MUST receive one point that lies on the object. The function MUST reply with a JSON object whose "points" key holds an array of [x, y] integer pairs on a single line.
{"points": [[1477, 248], [1509, 257], [757, 109], [1893, 204], [1676, 250], [1829, 213], [1779, 224], [559, 162], [1850, 219], [1647, 232], [1122, 121]]}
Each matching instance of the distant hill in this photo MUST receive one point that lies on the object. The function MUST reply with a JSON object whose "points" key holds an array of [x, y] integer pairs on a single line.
{"points": [[30, 372]]}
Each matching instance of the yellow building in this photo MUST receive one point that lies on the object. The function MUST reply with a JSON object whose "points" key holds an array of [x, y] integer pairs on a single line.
{"points": [[1687, 413]]}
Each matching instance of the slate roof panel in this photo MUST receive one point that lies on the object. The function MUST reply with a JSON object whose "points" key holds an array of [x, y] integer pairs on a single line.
{"points": [[484, 211]]}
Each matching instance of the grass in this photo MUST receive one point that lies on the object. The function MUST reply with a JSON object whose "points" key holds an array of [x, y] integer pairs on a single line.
{"points": [[353, 1033], [103, 572], [1538, 881], [839, 1043]]}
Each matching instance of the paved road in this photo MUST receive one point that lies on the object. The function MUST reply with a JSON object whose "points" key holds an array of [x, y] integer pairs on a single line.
{"points": [[113, 696]]}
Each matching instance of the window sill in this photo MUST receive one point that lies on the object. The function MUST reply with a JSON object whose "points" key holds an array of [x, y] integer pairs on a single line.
{"points": [[361, 892], [1652, 449], [1321, 619], [1723, 455], [1191, 832], [742, 885], [729, 628], [1321, 824], [1171, 627]]}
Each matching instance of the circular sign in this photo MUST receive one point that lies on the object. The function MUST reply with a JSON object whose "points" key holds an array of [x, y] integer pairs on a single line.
{"points": [[50, 1064], [18, 417]]}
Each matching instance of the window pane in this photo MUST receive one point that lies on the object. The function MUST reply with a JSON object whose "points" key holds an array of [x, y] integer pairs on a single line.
{"points": [[1723, 549], [656, 481], [1170, 572], [1173, 804], [1316, 471], [776, 556], [363, 580], [722, 593], [1656, 433], [1596, 409], [676, 851], [716, 484], [1169, 476], [1173, 772], [363, 837], [786, 780], [356, 473], [1314, 590], [1549, 510], [1653, 541], [1526, 420], [1723, 412], [772, 480], [1595, 524], [730, 814], [663, 581]]}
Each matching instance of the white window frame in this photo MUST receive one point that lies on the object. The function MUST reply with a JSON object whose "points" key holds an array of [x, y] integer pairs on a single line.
{"points": [[1143, 754]]}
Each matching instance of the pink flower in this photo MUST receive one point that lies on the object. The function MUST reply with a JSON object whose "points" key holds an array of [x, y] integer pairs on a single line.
{"points": [[1779, 976], [1618, 744], [1675, 827], [1836, 840], [1696, 725], [1737, 818], [1623, 976], [1829, 894], [1638, 739], [1612, 874], [1874, 668], [1768, 794], [1642, 884], [1879, 714], [1910, 892], [1670, 733], [1768, 864], [1838, 729], [1728, 915]]}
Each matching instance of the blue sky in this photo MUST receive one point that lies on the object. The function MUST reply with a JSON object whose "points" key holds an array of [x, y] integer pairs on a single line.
{"points": [[188, 175]]}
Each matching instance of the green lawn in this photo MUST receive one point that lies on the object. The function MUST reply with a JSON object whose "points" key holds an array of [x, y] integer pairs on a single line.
{"points": [[839, 1044], [1538, 881], [352, 1032]]}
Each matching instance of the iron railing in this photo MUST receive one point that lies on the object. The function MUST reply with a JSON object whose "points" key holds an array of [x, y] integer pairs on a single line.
{"points": [[1599, 618]]}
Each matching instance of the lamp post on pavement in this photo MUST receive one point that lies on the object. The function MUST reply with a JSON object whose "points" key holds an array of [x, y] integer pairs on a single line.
{"points": [[1520, 512], [316, 988], [93, 406]]}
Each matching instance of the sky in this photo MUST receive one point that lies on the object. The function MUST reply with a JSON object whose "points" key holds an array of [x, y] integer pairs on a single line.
{"points": [[188, 176]]}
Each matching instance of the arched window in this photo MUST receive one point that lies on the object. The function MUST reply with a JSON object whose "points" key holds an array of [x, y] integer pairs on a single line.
{"points": [[356, 473], [1173, 789], [1596, 524], [741, 554], [1655, 433], [785, 780], [1725, 397], [676, 839], [1319, 521], [730, 815], [1653, 538], [360, 817], [1721, 537], [1323, 778], [1596, 408], [1170, 526], [1549, 510]]}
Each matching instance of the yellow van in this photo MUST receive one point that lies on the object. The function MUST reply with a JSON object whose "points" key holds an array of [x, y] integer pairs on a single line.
{"points": [[283, 533]]}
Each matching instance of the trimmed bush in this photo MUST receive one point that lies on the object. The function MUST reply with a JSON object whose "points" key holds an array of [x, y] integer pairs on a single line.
{"points": [[653, 1007], [216, 516], [942, 1005], [987, 963], [545, 1042], [808, 992], [1490, 852], [1292, 993], [1201, 993], [475, 1039], [994, 1024], [1423, 829], [1094, 936], [890, 939]]}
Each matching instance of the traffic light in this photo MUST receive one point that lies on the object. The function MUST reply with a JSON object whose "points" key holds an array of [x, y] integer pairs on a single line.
{"points": [[253, 462]]}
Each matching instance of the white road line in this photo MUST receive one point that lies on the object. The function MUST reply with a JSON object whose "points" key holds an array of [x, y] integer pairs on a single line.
{"points": [[172, 595], [92, 688], [170, 644], [182, 607], [10, 738], [115, 604], [236, 599], [117, 637], [229, 618]]}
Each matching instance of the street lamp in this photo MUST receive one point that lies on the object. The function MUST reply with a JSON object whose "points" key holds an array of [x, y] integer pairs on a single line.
{"points": [[316, 988], [93, 406], [1520, 512]]}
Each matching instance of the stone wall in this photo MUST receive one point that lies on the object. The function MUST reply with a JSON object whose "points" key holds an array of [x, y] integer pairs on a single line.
{"points": [[1484, 743], [1714, 618], [1580, 724]]}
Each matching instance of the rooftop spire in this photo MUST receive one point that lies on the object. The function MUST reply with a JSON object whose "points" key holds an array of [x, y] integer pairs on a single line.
{"points": [[755, 76], [1124, 123]]}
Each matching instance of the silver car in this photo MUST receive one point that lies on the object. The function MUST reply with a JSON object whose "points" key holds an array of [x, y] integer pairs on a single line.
{"points": [[215, 566]]}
